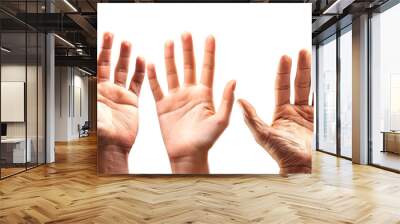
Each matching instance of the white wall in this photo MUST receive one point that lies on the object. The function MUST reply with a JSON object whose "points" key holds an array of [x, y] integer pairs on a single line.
{"points": [[16, 73], [81, 84], [70, 83], [61, 103], [33, 127]]}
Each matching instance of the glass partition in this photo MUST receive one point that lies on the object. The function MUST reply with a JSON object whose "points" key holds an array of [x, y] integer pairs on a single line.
{"points": [[22, 77], [41, 109], [13, 94], [31, 97]]}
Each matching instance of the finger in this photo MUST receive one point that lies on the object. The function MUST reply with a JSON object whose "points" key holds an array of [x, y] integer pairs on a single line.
{"points": [[228, 97], [155, 87], [207, 74], [282, 83], [302, 82], [188, 59], [138, 76], [172, 75], [258, 128], [121, 70], [103, 61]]}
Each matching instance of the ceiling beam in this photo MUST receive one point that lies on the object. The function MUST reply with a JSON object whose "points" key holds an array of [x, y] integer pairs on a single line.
{"points": [[337, 6], [82, 61]]}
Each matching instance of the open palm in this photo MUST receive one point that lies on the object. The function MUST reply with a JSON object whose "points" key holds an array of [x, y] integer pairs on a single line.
{"points": [[117, 107], [189, 123], [117, 115], [288, 139]]}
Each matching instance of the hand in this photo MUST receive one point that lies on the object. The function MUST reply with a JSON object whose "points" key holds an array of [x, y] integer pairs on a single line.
{"points": [[189, 122], [117, 108], [288, 139]]}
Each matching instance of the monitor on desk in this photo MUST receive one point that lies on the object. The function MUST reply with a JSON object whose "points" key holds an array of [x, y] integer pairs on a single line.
{"points": [[3, 130]]}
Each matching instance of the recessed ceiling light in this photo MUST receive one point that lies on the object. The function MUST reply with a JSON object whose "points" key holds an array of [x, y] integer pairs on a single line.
{"points": [[65, 41], [70, 5], [338, 6], [5, 50], [84, 71]]}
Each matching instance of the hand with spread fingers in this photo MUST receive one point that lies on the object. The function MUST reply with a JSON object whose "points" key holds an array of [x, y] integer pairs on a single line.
{"points": [[189, 123], [117, 108], [288, 139]]}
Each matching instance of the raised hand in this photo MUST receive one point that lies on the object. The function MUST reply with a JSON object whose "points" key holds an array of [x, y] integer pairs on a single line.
{"points": [[189, 122], [117, 108], [288, 139]]}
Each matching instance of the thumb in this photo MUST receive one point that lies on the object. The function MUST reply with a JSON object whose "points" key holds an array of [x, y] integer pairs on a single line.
{"points": [[228, 97], [258, 128]]}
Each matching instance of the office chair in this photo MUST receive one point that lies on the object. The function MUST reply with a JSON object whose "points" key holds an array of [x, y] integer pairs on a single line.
{"points": [[84, 130]]}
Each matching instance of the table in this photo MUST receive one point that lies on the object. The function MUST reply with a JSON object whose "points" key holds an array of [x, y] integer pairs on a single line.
{"points": [[13, 150], [391, 141]]}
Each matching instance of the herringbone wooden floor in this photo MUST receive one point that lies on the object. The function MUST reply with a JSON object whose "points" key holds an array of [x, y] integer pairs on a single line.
{"points": [[70, 192]]}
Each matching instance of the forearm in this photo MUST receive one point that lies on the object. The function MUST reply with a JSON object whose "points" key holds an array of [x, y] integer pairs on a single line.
{"points": [[195, 164], [112, 159]]}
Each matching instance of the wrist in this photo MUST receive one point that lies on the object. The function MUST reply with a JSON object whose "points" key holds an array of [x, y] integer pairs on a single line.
{"points": [[112, 159], [192, 164], [295, 170]]}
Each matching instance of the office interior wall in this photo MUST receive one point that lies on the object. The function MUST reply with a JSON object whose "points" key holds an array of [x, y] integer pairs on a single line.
{"points": [[33, 127], [13, 98], [62, 113], [71, 102], [12, 73], [9, 166], [81, 103]]}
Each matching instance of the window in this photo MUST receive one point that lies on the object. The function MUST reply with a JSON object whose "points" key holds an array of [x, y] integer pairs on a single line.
{"points": [[346, 92], [385, 89]]}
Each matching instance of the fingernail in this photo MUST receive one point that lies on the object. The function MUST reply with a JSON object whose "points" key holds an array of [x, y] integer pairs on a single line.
{"points": [[210, 37], [234, 85], [169, 43], [108, 35], [186, 35], [126, 44]]}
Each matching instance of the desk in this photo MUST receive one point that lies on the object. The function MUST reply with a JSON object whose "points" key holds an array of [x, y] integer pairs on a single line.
{"points": [[391, 141], [13, 150]]}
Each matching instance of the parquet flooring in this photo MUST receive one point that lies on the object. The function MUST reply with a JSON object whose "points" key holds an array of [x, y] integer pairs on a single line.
{"points": [[69, 191], [10, 171]]}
